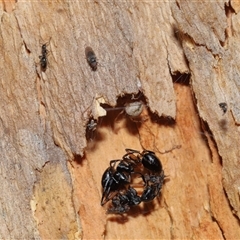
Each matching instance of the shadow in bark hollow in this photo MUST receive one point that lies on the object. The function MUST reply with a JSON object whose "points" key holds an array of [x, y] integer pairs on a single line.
{"points": [[115, 115], [129, 108], [181, 78], [164, 120], [207, 133], [79, 159]]}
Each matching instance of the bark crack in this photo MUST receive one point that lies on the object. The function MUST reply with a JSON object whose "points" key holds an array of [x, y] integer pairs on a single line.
{"points": [[170, 217]]}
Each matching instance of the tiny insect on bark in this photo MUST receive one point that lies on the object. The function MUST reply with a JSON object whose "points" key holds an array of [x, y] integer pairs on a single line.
{"points": [[91, 58], [91, 128], [224, 107], [43, 57]]}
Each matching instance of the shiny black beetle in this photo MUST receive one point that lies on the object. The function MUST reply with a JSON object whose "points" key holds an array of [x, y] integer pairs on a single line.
{"points": [[114, 179], [154, 179], [148, 159]]}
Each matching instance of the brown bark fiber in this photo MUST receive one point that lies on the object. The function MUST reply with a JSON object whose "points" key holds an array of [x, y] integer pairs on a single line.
{"points": [[183, 59]]}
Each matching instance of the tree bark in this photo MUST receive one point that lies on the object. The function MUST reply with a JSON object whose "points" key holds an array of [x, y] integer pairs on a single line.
{"points": [[179, 58]]}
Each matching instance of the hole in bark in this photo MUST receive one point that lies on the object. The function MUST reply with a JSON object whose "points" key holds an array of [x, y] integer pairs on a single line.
{"points": [[78, 158], [128, 111], [181, 78], [229, 31]]}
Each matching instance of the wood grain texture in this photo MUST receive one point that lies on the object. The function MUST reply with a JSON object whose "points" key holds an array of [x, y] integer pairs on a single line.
{"points": [[50, 174], [215, 80]]}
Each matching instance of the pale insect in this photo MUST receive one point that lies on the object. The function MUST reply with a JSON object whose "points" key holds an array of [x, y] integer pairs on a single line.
{"points": [[91, 128]]}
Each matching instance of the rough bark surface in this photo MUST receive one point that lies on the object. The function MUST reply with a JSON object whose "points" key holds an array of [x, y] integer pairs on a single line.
{"points": [[51, 175]]}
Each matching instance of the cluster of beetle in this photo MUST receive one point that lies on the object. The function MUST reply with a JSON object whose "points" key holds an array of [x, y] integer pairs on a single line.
{"points": [[117, 180]]}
